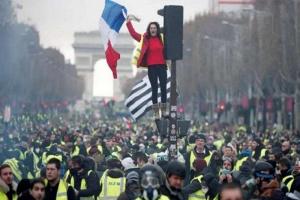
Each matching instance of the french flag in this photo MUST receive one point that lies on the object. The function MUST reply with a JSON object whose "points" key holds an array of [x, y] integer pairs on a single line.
{"points": [[111, 21]]}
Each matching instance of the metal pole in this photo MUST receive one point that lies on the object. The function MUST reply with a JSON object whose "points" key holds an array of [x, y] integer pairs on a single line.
{"points": [[173, 115]]}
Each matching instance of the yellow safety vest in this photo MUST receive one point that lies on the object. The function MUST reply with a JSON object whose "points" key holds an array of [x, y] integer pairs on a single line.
{"points": [[46, 158], [190, 147], [83, 186], [193, 158], [162, 197], [111, 187], [159, 146], [288, 182], [76, 151], [61, 191], [137, 51], [66, 175], [239, 163], [21, 156], [219, 143], [4, 197], [99, 147], [198, 195], [262, 153], [35, 162], [14, 165]]}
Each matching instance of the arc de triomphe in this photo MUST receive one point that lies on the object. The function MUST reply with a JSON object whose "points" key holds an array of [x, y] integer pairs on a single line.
{"points": [[88, 48]]}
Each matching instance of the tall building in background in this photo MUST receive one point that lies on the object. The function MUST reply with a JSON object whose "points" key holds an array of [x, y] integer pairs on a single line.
{"points": [[88, 49], [216, 6]]}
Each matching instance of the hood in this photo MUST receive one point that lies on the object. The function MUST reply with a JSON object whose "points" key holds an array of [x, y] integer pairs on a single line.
{"points": [[128, 163], [115, 173], [5, 188]]}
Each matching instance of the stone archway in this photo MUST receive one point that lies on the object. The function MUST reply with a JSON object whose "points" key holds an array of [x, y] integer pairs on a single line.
{"points": [[88, 49]]}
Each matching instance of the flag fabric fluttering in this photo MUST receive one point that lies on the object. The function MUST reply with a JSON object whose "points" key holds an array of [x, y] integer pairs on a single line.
{"points": [[139, 101], [111, 21]]}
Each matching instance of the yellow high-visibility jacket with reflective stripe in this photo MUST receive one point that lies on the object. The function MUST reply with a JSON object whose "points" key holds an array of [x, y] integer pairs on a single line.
{"points": [[62, 190], [111, 187], [288, 182], [239, 163], [4, 197], [14, 165], [199, 195], [83, 186]]}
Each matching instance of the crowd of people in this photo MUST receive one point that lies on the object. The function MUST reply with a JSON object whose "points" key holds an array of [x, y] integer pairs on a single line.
{"points": [[48, 156]]}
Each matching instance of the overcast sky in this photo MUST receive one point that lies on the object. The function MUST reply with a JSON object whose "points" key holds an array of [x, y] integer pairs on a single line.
{"points": [[57, 20]]}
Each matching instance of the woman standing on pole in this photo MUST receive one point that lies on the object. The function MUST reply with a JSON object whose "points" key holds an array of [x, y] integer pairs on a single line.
{"points": [[150, 54]]}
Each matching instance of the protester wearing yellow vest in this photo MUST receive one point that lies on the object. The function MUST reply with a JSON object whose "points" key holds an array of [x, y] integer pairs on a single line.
{"points": [[199, 194], [52, 153], [7, 186], [32, 161], [112, 182], [258, 152], [56, 188], [288, 182], [75, 151], [201, 152], [85, 182], [14, 165]]}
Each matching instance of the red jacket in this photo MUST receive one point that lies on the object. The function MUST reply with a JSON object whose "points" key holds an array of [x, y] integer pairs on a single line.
{"points": [[142, 60]]}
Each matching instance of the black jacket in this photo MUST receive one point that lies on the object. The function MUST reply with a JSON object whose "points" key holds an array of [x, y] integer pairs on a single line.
{"points": [[191, 188], [92, 183], [173, 195], [26, 196]]}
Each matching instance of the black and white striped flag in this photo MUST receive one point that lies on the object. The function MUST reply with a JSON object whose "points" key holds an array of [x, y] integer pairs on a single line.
{"points": [[139, 101]]}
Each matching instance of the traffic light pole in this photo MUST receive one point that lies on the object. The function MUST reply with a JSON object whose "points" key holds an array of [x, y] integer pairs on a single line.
{"points": [[173, 37], [173, 129]]}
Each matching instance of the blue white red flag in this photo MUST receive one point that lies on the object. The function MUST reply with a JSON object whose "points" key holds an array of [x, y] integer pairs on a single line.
{"points": [[111, 21]]}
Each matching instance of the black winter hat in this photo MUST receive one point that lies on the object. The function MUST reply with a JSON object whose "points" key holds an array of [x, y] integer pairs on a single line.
{"points": [[200, 136], [176, 168]]}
